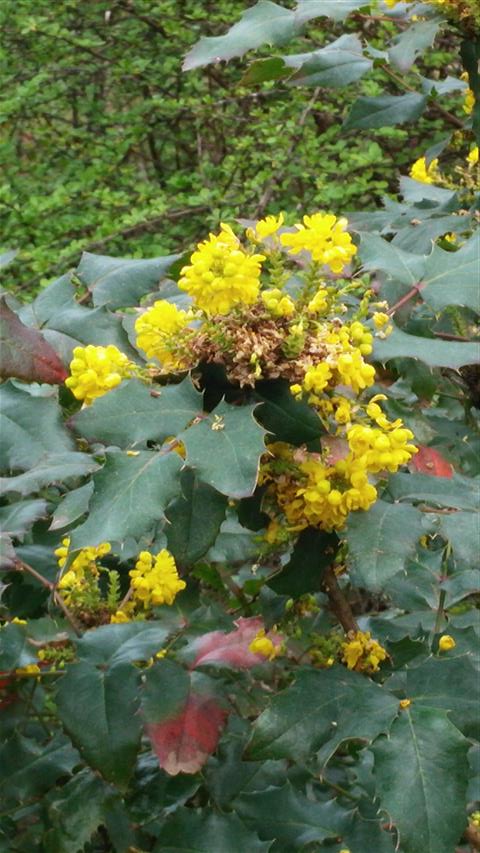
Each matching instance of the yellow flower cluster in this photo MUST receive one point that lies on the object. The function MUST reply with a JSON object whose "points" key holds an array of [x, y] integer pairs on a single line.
{"points": [[82, 572], [425, 174], [277, 303], [325, 237], [361, 653], [221, 274], [96, 370], [344, 363], [312, 491], [158, 333], [472, 157], [265, 227], [469, 102], [84, 558], [154, 580], [262, 645]]}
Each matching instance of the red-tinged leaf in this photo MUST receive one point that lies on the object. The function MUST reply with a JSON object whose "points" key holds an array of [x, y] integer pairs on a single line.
{"points": [[25, 352], [232, 649], [430, 461], [184, 719]]}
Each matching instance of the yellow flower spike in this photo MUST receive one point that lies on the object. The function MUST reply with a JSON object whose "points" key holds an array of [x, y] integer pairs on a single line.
{"points": [[154, 580], [472, 158], [425, 174], [221, 274], [405, 703], [96, 370], [325, 237], [361, 653], [266, 227], [158, 331], [279, 304], [446, 643]]}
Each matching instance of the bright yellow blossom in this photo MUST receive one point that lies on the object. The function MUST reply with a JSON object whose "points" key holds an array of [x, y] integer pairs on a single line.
{"points": [[472, 158], [318, 304], [405, 703], [423, 173], [157, 333], [279, 304], [30, 669], [96, 370], [221, 274], [469, 102], [84, 558], [362, 653], [266, 227], [446, 643], [155, 580], [325, 237], [262, 645]]}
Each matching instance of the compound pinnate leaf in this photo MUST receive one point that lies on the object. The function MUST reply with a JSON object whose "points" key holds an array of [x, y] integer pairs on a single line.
{"points": [[264, 23], [121, 282], [205, 831], [385, 111], [225, 447], [25, 352], [319, 711], [287, 816], [130, 495], [423, 757], [380, 542], [194, 519], [107, 731], [130, 414], [183, 717]]}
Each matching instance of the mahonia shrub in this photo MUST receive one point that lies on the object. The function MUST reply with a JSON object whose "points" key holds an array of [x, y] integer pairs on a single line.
{"points": [[239, 608]]}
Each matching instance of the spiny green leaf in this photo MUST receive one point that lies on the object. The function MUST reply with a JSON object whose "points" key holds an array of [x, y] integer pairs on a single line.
{"points": [[380, 542], [457, 491], [75, 812], [288, 419], [338, 64], [130, 414], [225, 449], [125, 643], [264, 23], [431, 351], [30, 427], [107, 731], [412, 41], [52, 468], [17, 519], [188, 831], [385, 111], [194, 519], [120, 282], [451, 278], [314, 550], [287, 816], [72, 507], [299, 720], [130, 495], [335, 9], [28, 768], [462, 530], [423, 757]]}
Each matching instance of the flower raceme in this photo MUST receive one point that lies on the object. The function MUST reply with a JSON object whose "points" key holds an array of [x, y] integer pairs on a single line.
{"points": [[155, 580], [157, 330], [425, 174], [96, 370], [361, 653], [325, 237]]}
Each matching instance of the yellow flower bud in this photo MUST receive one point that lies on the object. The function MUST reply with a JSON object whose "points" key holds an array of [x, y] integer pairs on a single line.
{"points": [[446, 643]]}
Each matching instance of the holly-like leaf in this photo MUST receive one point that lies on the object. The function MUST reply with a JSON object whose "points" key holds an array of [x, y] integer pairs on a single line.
{"points": [[75, 812], [299, 721], [430, 461], [423, 757], [314, 550], [457, 491], [462, 530], [225, 449], [288, 419], [121, 282], [125, 643], [205, 831], [287, 816], [8, 557], [25, 352], [28, 768], [194, 519], [30, 427], [72, 507], [15, 649], [17, 519], [385, 111], [52, 468], [130, 415], [264, 23], [338, 64], [412, 41], [130, 495], [451, 278], [231, 649], [107, 731], [183, 717], [433, 352], [380, 542]]}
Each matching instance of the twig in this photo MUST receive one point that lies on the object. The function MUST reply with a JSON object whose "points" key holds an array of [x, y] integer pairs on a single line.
{"points": [[24, 567], [415, 290], [338, 601], [434, 105]]}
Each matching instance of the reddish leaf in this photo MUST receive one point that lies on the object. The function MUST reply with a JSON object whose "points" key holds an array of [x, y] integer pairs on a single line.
{"points": [[25, 352], [184, 743], [232, 649], [430, 461]]}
